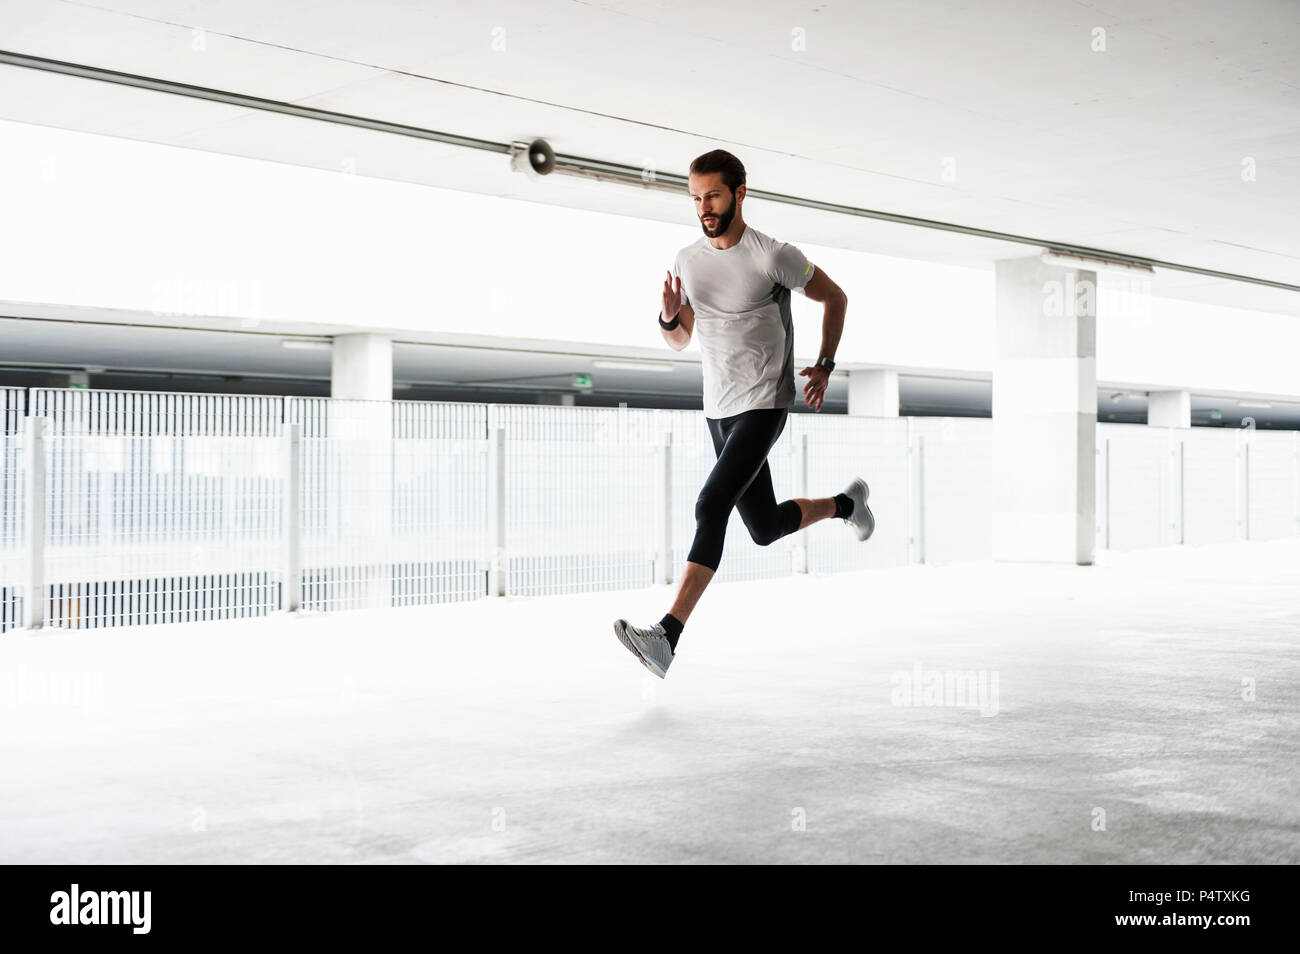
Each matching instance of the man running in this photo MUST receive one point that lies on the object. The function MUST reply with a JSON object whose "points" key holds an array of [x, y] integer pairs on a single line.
{"points": [[734, 286]]}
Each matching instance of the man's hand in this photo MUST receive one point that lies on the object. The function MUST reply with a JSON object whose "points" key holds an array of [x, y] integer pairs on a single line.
{"points": [[672, 300], [814, 392]]}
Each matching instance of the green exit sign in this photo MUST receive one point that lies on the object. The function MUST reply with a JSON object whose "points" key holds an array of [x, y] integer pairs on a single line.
{"points": [[582, 380]]}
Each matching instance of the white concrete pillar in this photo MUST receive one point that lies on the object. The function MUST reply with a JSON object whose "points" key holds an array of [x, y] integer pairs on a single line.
{"points": [[1169, 408], [1044, 412], [360, 431], [36, 433], [362, 367], [873, 393]]}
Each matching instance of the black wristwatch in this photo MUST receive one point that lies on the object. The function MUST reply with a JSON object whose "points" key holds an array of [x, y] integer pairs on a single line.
{"points": [[826, 363], [669, 325]]}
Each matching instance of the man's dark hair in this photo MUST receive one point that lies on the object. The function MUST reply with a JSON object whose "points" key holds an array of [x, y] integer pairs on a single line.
{"points": [[719, 160]]}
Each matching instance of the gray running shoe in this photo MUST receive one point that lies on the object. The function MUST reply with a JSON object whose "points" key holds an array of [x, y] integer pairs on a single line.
{"points": [[861, 520], [651, 645]]}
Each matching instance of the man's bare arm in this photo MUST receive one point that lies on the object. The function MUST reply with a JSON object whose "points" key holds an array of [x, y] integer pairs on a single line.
{"points": [[820, 288], [680, 336]]}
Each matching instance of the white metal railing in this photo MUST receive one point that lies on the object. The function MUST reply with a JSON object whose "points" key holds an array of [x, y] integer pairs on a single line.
{"points": [[393, 501], [880, 450], [1158, 486], [156, 507], [955, 462], [579, 490]]}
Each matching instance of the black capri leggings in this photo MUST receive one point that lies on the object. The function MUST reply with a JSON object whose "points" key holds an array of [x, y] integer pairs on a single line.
{"points": [[741, 479]]}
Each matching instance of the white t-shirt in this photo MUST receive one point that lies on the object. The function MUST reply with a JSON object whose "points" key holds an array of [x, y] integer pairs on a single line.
{"points": [[741, 300]]}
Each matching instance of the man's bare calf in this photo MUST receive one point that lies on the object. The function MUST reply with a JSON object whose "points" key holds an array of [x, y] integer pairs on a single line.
{"points": [[697, 576]]}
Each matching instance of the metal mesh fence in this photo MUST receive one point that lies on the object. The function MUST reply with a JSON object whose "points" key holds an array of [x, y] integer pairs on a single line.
{"points": [[13, 565], [1137, 478], [1273, 488], [1212, 486], [151, 529], [394, 502], [161, 507], [954, 460], [877, 449], [579, 497]]}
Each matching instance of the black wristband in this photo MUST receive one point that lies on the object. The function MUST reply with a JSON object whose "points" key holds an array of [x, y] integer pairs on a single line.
{"points": [[670, 325]]}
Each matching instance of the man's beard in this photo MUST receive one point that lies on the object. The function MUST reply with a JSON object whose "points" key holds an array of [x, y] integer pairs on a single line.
{"points": [[723, 223]]}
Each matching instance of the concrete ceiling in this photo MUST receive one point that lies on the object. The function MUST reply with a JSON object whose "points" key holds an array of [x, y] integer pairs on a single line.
{"points": [[1000, 116]]}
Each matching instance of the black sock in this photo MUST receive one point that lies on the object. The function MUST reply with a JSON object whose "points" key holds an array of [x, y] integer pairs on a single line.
{"points": [[673, 626], [843, 506]]}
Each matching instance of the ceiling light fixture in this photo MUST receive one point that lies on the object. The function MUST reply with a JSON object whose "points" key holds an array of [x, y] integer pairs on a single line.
{"points": [[1068, 260], [306, 344], [631, 365]]}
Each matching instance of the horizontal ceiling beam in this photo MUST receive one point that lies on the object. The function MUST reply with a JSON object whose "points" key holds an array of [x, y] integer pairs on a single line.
{"points": [[599, 169]]}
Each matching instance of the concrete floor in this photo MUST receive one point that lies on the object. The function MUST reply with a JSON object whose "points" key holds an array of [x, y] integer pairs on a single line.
{"points": [[1116, 723]]}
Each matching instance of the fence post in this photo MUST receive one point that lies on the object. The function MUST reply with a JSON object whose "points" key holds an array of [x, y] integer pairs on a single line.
{"points": [[1243, 482], [910, 555], [1172, 532], [1106, 476], [801, 489], [34, 522], [497, 511], [664, 508], [1100, 503], [1245, 485], [1182, 491], [291, 591], [920, 498]]}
